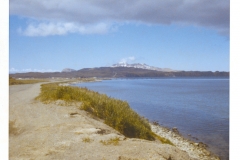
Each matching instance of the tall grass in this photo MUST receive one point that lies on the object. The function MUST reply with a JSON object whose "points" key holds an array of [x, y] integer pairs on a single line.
{"points": [[114, 112], [13, 81]]}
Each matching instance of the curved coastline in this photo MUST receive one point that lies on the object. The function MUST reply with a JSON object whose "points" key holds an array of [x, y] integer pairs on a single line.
{"points": [[23, 96], [197, 150]]}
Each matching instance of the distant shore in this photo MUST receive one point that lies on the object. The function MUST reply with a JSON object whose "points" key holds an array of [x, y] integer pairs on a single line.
{"points": [[119, 72]]}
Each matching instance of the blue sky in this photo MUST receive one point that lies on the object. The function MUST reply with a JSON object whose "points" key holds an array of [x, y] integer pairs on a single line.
{"points": [[182, 35]]}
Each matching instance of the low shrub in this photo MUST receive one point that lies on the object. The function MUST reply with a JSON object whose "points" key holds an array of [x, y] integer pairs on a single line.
{"points": [[86, 140], [113, 141]]}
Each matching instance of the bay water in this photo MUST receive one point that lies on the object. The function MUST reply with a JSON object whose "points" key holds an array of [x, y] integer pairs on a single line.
{"points": [[198, 107]]}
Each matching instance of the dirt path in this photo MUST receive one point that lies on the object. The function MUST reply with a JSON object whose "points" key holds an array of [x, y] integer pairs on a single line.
{"points": [[39, 131]]}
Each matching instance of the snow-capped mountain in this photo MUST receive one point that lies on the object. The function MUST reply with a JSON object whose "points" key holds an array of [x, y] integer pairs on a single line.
{"points": [[142, 66], [68, 70]]}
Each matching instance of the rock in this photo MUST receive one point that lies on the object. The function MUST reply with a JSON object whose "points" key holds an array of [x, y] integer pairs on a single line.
{"points": [[195, 138], [72, 114], [202, 145], [175, 130], [196, 144], [206, 152], [155, 123]]}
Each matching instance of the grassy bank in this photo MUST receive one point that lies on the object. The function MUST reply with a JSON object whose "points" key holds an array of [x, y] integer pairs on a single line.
{"points": [[13, 81], [115, 113]]}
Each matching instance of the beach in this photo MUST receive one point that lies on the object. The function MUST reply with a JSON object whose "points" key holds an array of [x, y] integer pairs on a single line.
{"points": [[58, 131]]}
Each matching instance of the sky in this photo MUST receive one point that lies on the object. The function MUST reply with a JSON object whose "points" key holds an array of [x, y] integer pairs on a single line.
{"points": [[182, 34], [47, 36]]}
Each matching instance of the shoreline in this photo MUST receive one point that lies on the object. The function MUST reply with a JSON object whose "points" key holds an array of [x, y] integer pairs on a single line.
{"points": [[197, 150], [32, 124]]}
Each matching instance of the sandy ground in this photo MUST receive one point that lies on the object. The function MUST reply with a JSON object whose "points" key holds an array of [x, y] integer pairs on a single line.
{"points": [[52, 131]]}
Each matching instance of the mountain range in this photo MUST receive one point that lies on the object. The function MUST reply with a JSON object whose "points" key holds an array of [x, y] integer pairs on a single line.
{"points": [[120, 70]]}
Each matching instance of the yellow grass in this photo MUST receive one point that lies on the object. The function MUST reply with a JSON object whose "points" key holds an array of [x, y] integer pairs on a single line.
{"points": [[13, 81], [113, 141], [115, 113]]}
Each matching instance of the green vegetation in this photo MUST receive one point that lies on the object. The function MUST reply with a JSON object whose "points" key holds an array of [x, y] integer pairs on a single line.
{"points": [[13, 81], [113, 141], [115, 113], [163, 140], [86, 140]]}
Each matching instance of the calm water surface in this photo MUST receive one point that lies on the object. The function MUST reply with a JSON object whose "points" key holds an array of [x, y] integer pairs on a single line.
{"points": [[199, 107]]}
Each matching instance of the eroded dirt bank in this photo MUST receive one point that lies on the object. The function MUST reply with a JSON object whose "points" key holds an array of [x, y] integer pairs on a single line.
{"points": [[40, 131]]}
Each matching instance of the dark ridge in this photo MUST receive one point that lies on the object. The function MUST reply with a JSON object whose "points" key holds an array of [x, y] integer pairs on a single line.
{"points": [[119, 72]]}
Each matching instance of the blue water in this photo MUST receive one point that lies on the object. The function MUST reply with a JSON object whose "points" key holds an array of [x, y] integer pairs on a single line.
{"points": [[199, 107]]}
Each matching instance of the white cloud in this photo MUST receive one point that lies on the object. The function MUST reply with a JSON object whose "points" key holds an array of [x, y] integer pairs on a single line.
{"points": [[127, 60], [131, 58], [14, 70], [214, 14], [46, 29]]}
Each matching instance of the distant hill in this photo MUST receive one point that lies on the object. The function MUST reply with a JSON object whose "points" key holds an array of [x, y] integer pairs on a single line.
{"points": [[119, 72]]}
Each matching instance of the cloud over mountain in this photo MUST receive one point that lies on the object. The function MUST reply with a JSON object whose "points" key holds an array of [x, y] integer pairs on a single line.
{"points": [[127, 60], [54, 17]]}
